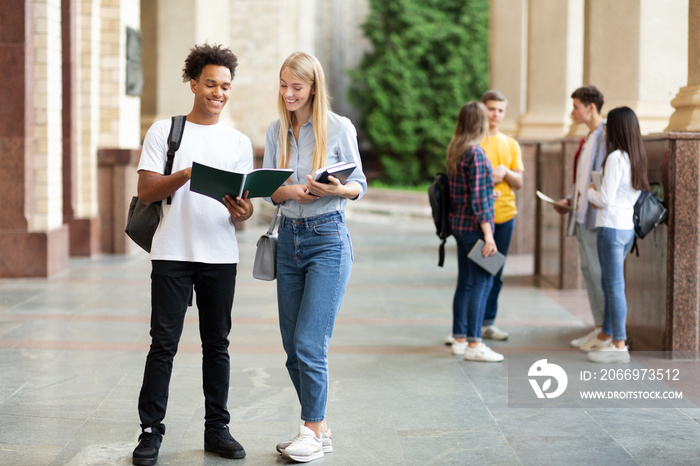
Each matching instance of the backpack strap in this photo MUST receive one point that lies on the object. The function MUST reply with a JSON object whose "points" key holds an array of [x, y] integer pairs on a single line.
{"points": [[177, 127], [441, 253], [635, 247]]}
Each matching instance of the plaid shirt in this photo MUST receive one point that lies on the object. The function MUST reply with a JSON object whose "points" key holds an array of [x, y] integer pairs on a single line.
{"points": [[471, 193]]}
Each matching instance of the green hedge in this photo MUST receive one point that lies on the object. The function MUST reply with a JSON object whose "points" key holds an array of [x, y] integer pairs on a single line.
{"points": [[429, 57]]}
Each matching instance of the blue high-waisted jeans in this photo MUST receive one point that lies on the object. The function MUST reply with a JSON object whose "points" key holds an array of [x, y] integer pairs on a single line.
{"points": [[613, 246], [314, 259], [473, 286]]}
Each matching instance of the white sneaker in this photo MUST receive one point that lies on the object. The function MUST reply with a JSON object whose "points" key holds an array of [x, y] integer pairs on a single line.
{"points": [[594, 344], [458, 348], [449, 340], [610, 354], [326, 440], [577, 342], [491, 332], [482, 353], [305, 447]]}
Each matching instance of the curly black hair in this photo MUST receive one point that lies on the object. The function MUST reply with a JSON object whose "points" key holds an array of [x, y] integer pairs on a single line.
{"points": [[203, 55]]}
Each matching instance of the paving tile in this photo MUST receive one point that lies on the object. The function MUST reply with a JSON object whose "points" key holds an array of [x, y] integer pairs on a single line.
{"points": [[73, 348]]}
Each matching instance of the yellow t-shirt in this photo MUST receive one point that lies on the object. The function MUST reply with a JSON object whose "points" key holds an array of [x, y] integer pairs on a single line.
{"points": [[504, 150]]}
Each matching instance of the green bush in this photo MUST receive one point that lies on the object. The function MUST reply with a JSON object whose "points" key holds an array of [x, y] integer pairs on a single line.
{"points": [[429, 57]]}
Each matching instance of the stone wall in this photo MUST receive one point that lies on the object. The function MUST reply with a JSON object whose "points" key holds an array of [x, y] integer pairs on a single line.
{"points": [[662, 283]]}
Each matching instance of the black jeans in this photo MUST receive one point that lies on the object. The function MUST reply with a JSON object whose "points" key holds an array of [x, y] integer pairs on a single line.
{"points": [[171, 288]]}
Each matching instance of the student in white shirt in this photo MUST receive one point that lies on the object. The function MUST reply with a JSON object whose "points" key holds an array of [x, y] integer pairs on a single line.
{"points": [[624, 176], [194, 247], [587, 105]]}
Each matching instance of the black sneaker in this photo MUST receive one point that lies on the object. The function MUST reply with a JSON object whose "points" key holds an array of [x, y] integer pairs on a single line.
{"points": [[146, 453], [220, 441]]}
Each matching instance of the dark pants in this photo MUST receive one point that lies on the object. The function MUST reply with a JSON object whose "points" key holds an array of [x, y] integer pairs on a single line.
{"points": [[502, 235], [171, 288]]}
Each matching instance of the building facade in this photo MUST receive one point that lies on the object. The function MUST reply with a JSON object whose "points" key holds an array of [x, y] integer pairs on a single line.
{"points": [[88, 77]]}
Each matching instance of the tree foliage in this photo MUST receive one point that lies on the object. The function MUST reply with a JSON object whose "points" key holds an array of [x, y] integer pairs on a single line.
{"points": [[428, 58]]}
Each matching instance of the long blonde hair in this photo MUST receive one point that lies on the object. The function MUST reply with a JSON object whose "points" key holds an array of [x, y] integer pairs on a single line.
{"points": [[472, 124], [307, 68]]}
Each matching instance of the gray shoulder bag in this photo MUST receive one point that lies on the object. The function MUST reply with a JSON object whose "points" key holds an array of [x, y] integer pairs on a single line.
{"points": [[265, 265]]}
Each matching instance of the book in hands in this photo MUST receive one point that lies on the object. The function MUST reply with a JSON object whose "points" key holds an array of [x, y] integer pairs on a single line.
{"points": [[549, 200], [217, 183], [597, 178], [492, 264], [340, 170]]}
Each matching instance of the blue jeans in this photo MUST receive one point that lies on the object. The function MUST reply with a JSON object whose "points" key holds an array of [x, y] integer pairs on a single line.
{"points": [[314, 259], [613, 246], [502, 235], [473, 285]]}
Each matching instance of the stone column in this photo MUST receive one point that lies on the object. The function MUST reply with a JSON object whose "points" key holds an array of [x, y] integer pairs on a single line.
{"points": [[82, 76], [181, 24], [554, 64], [263, 35], [119, 117], [662, 284], [83, 223], [33, 240], [339, 44], [636, 53], [508, 43], [687, 101]]}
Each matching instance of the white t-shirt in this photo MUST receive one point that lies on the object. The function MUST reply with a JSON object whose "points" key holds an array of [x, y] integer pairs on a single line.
{"points": [[616, 197], [196, 228]]}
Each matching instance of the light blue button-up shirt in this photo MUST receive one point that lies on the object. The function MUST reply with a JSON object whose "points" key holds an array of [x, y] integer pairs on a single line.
{"points": [[341, 147]]}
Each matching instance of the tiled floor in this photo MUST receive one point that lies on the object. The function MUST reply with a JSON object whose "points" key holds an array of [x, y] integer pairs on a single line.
{"points": [[72, 350]]}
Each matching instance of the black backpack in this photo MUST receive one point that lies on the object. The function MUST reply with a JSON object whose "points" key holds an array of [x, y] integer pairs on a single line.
{"points": [[439, 197], [649, 212], [142, 220]]}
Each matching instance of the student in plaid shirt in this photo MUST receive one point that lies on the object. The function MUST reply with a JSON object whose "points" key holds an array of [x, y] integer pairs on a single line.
{"points": [[471, 218]]}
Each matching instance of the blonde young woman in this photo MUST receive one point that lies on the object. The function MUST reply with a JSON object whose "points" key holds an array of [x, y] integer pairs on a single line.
{"points": [[314, 251]]}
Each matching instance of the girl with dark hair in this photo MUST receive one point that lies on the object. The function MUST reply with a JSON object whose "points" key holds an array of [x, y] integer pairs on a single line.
{"points": [[624, 177], [471, 219]]}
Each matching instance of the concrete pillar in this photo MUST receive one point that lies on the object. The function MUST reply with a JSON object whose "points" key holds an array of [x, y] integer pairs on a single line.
{"points": [[339, 44], [508, 43], [48, 142], [554, 66], [33, 239], [83, 124], [80, 216], [263, 35], [636, 54], [119, 116], [687, 101], [181, 24]]}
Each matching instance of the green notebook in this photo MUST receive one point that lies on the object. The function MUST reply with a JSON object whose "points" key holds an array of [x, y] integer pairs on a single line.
{"points": [[217, 183]]}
